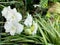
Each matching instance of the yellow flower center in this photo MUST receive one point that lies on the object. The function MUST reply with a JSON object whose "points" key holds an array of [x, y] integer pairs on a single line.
{"points": [[13, 17], [13, 28]]}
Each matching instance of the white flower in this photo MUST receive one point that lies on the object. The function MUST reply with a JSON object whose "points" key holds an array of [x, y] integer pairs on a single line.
{"points": [[32, 30], [11, 14], [31, 25], [28, 21], [13, 27]]}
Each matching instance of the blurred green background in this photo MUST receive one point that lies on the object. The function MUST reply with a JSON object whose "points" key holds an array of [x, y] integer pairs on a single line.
{"points": [[44, 10]]}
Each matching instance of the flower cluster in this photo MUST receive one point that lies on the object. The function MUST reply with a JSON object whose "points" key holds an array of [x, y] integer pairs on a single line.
{"points": [[13, 17], [12, 24]]}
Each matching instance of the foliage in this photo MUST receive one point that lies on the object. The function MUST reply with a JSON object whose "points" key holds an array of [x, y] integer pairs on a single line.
{"points": [[48, 26]]}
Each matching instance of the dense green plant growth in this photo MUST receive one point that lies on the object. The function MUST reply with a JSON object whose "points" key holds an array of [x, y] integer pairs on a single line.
{"points": [[46, 13]]}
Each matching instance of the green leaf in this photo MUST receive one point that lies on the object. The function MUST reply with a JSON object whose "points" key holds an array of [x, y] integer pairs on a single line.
{"points": [[44, 3]]}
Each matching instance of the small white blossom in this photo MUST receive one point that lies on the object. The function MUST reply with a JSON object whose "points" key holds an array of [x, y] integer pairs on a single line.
{"points": [[31, 25], [33, 29], [11, 14], [28, 21], [13, 27], [5, 11]]}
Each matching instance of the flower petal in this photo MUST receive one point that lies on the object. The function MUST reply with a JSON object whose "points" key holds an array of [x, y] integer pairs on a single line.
{"points": [[19, 28], [18, 16], [35, 28], [5, 11], [12, 32], [28, 21], [7, 26]]}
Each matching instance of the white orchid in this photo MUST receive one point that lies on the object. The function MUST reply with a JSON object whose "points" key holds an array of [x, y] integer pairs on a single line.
{"points": [[11, 14], [13, 27], [31, 25], [28, 21]]}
